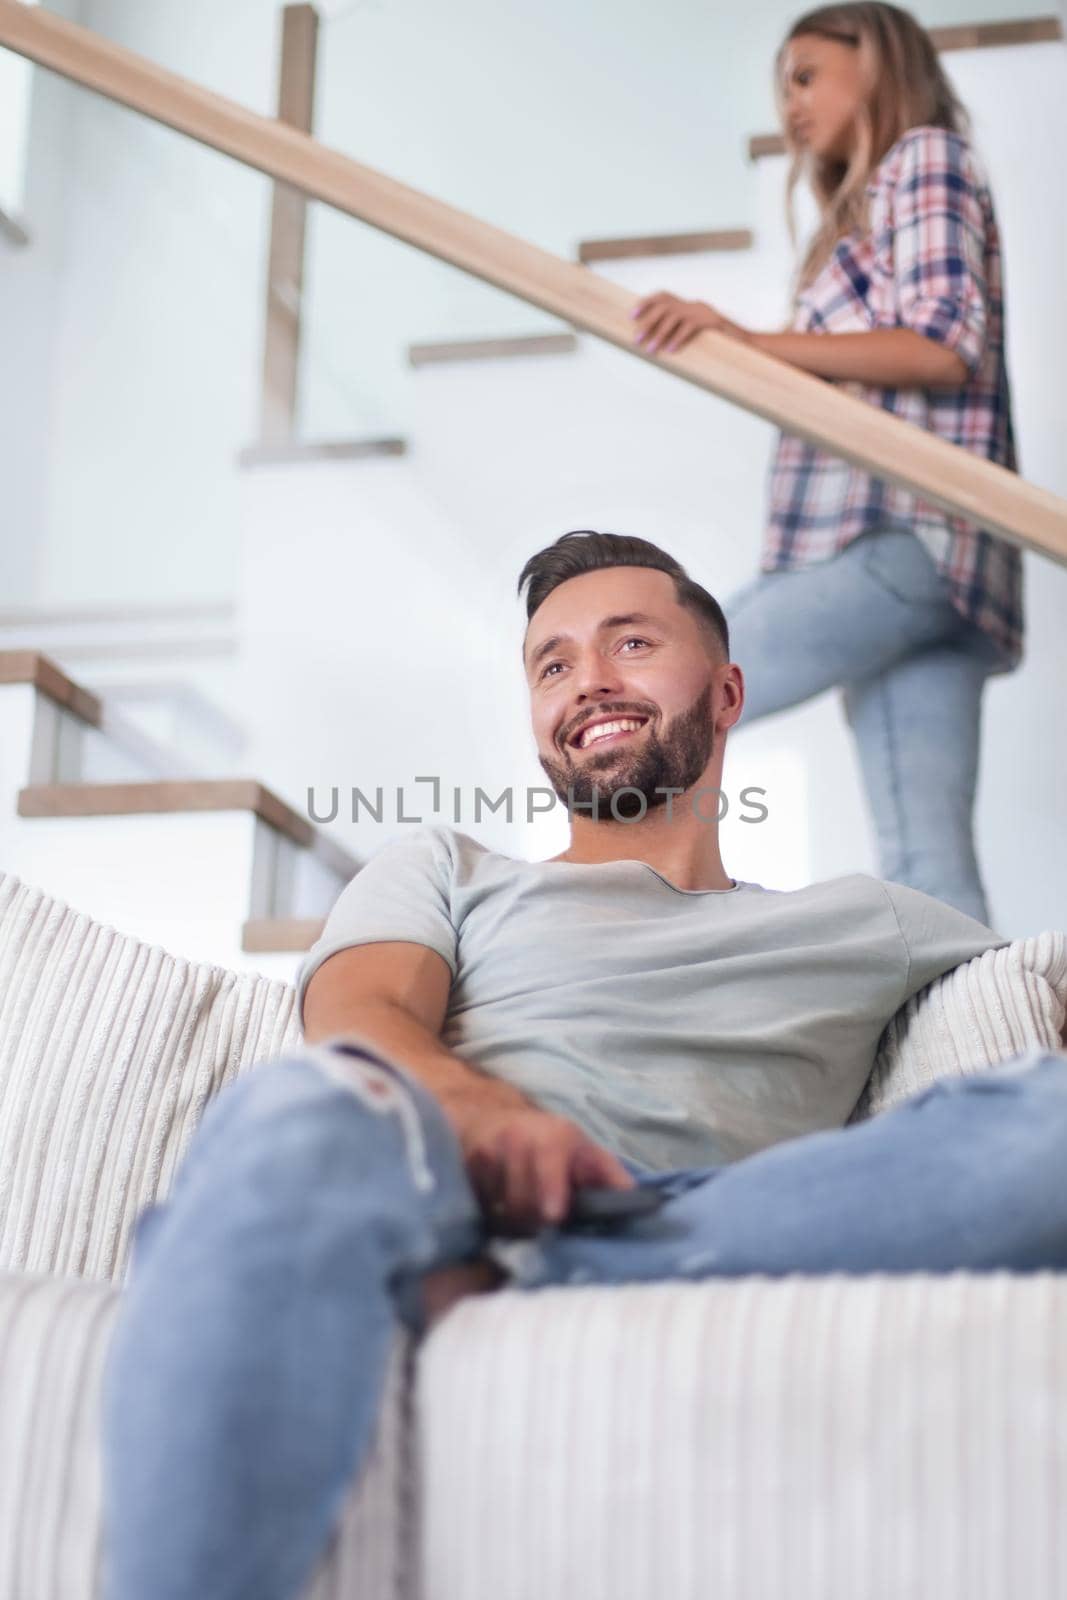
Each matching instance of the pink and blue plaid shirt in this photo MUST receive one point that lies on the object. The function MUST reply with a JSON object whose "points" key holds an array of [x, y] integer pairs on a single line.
{"points": [[929, 261]]}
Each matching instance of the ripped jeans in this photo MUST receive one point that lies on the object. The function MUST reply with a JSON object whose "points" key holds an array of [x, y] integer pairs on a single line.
{"points": [[876, 620], [243, 1382]]}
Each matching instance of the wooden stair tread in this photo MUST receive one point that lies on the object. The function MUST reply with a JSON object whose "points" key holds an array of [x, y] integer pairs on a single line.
{"points": [[300, 453], [994, 35], [523, 344], [157, 796], [664, 244], [280, 935], [30, 666]]}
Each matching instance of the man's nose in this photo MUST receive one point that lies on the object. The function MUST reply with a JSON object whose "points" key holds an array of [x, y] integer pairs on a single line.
{"points": [[595, 678]]}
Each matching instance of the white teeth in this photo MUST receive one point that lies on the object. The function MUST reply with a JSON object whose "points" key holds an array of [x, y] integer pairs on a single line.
{"points": [[600, 730]]}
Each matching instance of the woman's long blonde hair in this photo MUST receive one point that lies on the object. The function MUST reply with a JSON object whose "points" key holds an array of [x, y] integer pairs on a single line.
{"points": [[906, 88]]}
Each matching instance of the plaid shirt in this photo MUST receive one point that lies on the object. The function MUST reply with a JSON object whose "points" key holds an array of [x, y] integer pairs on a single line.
{"points": [[930, 261]]}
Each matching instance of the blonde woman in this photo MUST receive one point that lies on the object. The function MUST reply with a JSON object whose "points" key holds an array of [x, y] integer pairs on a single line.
{"points": [[899, 297]]}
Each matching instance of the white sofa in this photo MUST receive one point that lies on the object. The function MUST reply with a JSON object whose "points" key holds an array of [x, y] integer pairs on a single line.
{"points": [[830, 1438]]}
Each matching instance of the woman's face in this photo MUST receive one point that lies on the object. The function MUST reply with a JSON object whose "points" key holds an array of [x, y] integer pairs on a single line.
{"points": [[823, 90]]}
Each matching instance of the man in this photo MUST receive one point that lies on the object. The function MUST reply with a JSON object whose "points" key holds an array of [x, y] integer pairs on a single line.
{"points": [[489, 1037]]}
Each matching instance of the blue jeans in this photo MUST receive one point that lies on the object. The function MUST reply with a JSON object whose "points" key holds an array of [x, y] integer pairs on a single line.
{"points": [[244, 1378], [876, 619]]}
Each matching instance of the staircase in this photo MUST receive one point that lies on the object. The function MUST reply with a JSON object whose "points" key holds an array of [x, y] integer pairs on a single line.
{"points": [[218, 870]]}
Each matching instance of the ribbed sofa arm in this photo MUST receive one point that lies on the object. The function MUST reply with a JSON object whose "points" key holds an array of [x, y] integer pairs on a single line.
{"points": [[981, 1013], [797, 1439], [54, 1337], [54, 1334]]}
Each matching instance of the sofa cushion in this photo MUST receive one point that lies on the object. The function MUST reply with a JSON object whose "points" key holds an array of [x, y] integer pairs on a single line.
{"points": [[109, 1050], [978, 1015], [53, 1338], [54, 1334], [823, 1438]]}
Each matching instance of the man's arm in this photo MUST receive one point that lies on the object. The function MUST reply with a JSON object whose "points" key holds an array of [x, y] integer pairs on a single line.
{"points": [[522, 1161], [393, 997]]}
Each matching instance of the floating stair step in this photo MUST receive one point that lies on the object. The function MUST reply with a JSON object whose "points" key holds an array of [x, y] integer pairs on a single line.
{"points": [[281, 935], [139, 799], [995, 35], [183, 796], [181, 864], [527, 344], [53, 730], [664, 244], [299, 454], [40, 672], [766, 144]]}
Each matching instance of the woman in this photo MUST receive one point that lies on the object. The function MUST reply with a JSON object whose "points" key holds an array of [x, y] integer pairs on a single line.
{"points": [[899, 297]]}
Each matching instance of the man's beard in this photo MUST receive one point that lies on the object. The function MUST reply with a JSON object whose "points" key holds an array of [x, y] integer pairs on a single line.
{"points": [[674, 761]]}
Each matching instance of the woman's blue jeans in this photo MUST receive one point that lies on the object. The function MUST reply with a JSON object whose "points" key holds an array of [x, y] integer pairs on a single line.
{"points": [[244, 1379], [876, 619]]}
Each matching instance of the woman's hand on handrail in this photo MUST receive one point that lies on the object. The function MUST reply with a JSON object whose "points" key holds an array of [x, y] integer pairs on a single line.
{"points": [[667, 322], [897, 358]]}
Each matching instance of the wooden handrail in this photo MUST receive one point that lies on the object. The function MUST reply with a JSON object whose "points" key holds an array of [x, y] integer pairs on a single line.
{"points": [[948, 476]]}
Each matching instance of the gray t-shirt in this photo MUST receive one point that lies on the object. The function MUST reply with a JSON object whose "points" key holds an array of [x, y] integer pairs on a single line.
{"points": [[678, 1027]]}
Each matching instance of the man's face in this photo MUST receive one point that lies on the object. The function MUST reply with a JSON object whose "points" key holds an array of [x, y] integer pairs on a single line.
{"points": [[623, 689]]}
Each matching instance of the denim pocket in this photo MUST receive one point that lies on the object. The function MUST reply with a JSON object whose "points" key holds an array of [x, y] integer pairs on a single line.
{"points": [[900, 563]]}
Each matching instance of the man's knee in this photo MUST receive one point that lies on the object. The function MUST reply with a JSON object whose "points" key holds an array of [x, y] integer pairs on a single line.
{"points": [[283, 1124]]}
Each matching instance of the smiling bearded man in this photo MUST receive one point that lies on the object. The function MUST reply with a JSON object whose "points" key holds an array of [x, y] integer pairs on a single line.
{"points": [[488, 1040]]}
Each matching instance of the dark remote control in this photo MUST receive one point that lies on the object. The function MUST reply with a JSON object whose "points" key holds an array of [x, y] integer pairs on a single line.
{"points": [[614, 1205]]}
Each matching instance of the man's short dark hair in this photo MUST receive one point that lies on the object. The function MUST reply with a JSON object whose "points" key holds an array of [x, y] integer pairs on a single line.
{"points": [[585, 551]]}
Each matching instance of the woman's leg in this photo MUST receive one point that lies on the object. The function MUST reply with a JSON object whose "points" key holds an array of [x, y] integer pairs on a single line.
{"points": [[796, 633], [245, 1376], [916, 726], [966, 1175]]}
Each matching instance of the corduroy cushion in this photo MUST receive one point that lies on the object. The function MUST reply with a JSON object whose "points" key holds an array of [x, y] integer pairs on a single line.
{"points": [[981, 1013], [109, 1050], [54, 1335], [823, 1438]]}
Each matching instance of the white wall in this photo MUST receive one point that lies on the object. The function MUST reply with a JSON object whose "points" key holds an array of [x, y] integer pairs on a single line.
{"points": [[31, 285], [132, 327]]}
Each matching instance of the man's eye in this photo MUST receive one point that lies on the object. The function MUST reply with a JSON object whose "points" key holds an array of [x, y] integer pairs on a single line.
{"points": [[546, 670], [804, 78], [635, 641]]}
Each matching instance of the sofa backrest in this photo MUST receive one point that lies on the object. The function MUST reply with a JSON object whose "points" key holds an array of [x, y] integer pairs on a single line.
{"points": [[109, 1050], [979, 1014]]}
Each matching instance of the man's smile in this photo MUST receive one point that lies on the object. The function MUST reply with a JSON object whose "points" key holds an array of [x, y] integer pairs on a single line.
{"points": [[606, 730]]}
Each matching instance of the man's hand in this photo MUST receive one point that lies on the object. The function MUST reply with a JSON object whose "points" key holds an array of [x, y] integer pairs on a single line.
{"points": [[665, 320], [524, 1164]]}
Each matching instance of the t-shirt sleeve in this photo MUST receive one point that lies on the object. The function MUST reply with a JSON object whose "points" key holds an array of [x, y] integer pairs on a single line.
{"points": [[402, 893], [936, 936], [939, 229]]}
